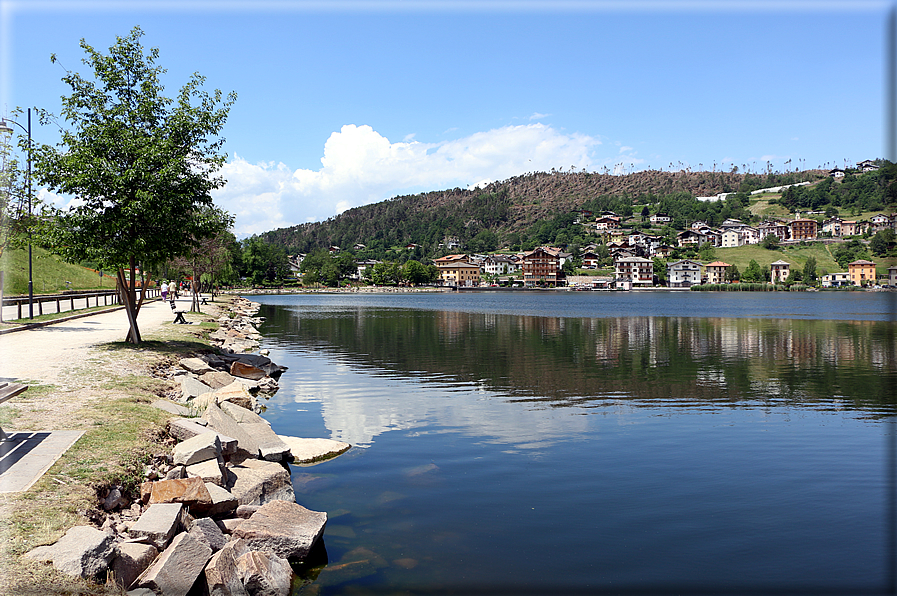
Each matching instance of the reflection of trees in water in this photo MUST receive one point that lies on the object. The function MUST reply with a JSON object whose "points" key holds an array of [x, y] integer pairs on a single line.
{"points": [[560, 361]]}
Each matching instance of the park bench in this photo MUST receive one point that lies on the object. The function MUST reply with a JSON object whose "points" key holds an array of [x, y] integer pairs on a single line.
{"points": [[178, 315], [9, 390]]}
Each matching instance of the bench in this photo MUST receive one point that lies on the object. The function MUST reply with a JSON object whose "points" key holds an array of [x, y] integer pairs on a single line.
{"points": [[178, 315], [9, 390]]}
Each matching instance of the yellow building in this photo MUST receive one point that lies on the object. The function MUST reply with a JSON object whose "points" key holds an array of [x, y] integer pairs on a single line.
{"points": [[454, 270], [861, 272], [716, 272]]}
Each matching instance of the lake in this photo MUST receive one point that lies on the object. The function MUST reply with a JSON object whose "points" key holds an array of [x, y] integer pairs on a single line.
{"points": [[593, 442]]}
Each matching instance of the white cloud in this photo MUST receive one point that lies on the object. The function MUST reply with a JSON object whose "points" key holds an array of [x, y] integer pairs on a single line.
{"points": [[360, 166], [624, 149], [538, 116]]}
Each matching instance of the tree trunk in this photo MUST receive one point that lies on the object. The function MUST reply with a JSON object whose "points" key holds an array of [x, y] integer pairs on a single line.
{"points": [[128, 295], [1, 296]]}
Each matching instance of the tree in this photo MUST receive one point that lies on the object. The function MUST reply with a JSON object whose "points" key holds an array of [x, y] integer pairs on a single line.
{"points": [[732, 274], [263, 262], [385, 273], [706, 252], [809, 272], [770, 242], [753, 273], [141, 165], [209, 253], [882, 242], [415, 273]]}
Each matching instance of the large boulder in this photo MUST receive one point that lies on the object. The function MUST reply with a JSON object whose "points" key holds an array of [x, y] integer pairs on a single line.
{"points": [[256, 482], [217, 379], [247, 371], [223, 501], [197, 449], [307, 451], [197, 366], [176, 569], [226, 425], [222, 576], [83, 552], [192, 492], [265, 574], [285, 529], [159, 523], [132, 560], [191, 387], [206, 530]]}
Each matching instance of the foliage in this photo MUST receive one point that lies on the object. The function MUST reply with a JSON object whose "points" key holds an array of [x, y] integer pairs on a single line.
{"points": [[706, 252], [809, 272], [261, 261], [732, 274], [208, 258], [849, 252], [141, 164], [753, 273], [15, 219], [883, 242], [770, 242], [385, 274]]}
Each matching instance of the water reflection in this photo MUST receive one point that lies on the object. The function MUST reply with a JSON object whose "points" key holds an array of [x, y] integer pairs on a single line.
{"points": [[466, 360]]}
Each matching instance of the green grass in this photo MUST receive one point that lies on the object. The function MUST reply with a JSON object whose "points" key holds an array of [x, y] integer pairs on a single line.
{"points": [[49, 273], [796, 255]]}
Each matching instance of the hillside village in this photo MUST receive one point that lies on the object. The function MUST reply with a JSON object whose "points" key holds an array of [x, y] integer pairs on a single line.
{"points": [[627, 254]]}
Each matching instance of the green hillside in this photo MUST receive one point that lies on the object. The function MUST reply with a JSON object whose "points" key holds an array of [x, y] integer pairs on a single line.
{"points": [[796, 255], [49, 273]]}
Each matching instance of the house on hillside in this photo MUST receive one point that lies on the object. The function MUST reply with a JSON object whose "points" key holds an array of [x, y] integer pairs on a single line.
{"points": [[499, 265], [590, 260], [691, 238], [836, 173], [861, 272], [883, 222], [659, 219], [892, 276], [804, 229], [716, 272], [361, 267], [832, 226], [607, 222], [774, 228], [779, 271], [456, 270], [683, 274], [732, 238], [854, 228], [867, 165]]}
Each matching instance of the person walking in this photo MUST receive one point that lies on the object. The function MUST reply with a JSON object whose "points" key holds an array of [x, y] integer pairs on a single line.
{"points": [[164, 289]]}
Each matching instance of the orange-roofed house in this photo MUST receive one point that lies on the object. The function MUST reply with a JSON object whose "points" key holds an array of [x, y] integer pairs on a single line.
{"points": [[716, 272], [861, 272]]}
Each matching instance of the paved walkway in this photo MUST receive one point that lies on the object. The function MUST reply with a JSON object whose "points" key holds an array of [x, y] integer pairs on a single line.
{"points": [[40, 354]]}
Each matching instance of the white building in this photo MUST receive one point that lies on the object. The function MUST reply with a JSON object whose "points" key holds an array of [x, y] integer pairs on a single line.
{"points": [[683, 274]]}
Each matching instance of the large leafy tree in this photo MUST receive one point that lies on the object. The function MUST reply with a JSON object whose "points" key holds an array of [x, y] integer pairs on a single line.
{"points": [[141, 165]]}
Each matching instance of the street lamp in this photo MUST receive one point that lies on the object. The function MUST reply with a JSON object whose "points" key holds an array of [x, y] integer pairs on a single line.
{"points": [[6, 129]]}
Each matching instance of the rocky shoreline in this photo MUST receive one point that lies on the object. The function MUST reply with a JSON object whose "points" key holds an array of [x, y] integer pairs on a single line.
{"points": [[218, 514]]}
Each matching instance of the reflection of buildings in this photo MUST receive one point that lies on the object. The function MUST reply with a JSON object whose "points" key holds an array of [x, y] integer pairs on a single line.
{"points": [[491, 374]]}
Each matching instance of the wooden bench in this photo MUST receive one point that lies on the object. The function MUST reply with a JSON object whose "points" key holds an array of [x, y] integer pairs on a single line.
{"points": [[9, 390]]}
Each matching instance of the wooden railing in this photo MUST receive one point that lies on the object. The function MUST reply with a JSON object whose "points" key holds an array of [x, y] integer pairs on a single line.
{"points": [[108, 297]]}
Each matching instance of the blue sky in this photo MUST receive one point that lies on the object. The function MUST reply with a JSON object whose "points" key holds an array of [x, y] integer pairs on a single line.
{"points": [[346, 103]]}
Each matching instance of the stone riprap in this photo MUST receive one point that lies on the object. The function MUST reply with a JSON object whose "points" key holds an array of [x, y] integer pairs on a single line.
{"points": [[213, 517]]}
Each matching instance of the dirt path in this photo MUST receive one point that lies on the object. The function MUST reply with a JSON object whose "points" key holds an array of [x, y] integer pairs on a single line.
{"points": [[42, 354]]}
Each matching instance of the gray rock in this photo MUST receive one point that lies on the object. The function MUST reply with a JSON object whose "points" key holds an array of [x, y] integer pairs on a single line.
{"points": [[206, 530], [175, 473], [247, 371], [159, 523], [222, 500], [176, 569], [225, 425], [240, 414], [197, 449], [222, 577], [191, 387], [228, 525], [217, 379], [285, 529], [183, 429], [83, 552], [209, 470], [172, 408], [132, 560], [265, 574], [246, 511], [140, 592], [306, 451], [255, 482], [114, 500], [195, 365]]}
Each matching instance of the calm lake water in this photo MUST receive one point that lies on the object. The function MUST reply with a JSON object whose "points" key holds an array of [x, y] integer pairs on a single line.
{"points": [[543, 442]]}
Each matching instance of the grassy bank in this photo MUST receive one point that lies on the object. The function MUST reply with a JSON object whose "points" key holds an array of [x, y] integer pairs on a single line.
{"points": [[107, 393], [49, 273]]}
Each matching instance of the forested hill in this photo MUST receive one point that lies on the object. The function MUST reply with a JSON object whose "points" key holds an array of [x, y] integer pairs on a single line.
{"points": [[509, 209]]}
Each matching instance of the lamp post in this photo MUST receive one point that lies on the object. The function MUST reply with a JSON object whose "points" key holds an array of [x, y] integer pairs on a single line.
{"points": [[6, 129]]}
